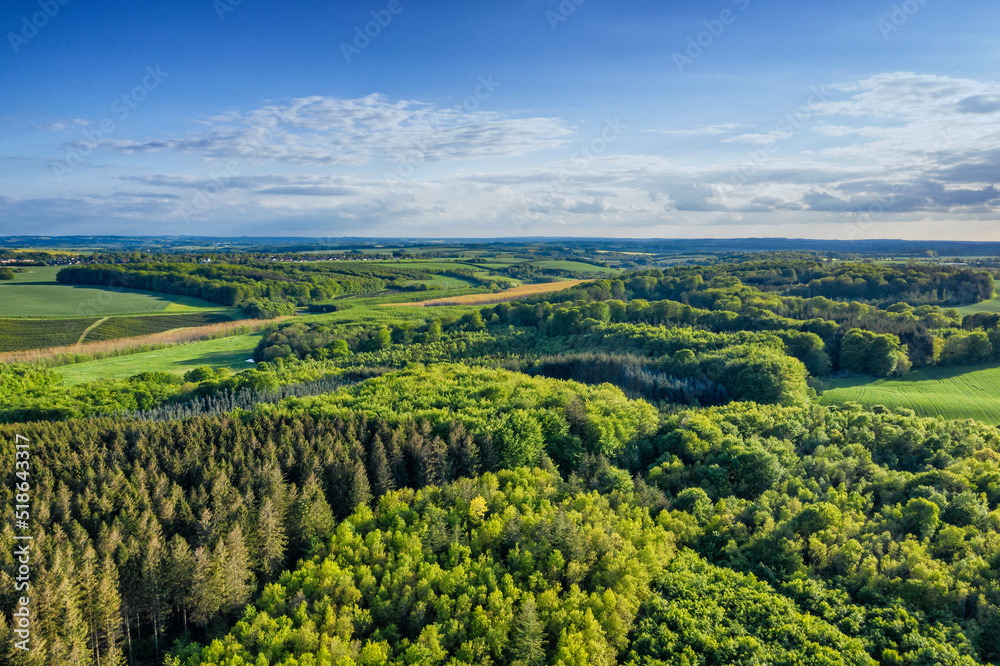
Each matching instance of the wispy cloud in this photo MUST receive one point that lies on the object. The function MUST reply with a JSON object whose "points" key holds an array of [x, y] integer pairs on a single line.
{"points": [[700, 130], [330, 131]]}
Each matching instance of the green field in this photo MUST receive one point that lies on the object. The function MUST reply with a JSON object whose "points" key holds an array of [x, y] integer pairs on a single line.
{"points": [[231, 352], [991, 306], [576, 266], [445, 282], [37, 294], [958, 392]]}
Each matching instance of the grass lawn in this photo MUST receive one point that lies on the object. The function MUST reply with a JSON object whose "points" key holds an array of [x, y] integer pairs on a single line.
{"points": [[37, 294], [971, 391], [231, 352], [992, 306]]}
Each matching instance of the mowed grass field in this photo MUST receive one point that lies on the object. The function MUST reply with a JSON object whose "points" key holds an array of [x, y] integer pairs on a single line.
{"points": [[36, 294], [231, 352], [992, 306], [956, 392]]}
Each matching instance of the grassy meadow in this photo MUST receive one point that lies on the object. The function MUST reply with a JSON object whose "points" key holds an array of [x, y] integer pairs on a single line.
{"points": [[231, 352], [956, 392], [992, 306], [36, 294]]}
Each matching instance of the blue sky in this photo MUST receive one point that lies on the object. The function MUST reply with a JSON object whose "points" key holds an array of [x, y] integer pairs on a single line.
{"points": [[712, 118]]}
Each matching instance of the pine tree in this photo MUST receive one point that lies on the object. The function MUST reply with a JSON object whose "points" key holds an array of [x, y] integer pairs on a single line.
{"points": [[108, 616], [361, 492], [313, 517], [380, 473], [271, 540], [462, 453], [179, 576], [232, 560], [206, 588], [60, 618], [526, 648]]}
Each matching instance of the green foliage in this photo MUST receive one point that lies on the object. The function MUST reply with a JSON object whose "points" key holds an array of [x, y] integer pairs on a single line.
{"points": [[702, 614], [865, 352], [548, 576], [259, 308], [521, 414], [897, 511], [817, 535]]}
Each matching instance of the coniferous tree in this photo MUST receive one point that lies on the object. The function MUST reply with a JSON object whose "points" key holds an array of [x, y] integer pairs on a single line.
{"points": [[361, 492], [526, 647], [270, 539], [313, 518], [380, 475], [232, 559], [206, 588], [179, 576]]}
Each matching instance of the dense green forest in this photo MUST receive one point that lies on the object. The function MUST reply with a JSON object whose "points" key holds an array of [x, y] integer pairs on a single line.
{"points": [[634, 471]]}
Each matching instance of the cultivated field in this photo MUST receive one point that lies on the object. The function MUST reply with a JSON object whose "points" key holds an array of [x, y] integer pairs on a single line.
{"points": [[954, 393], [499, 297], [126, 327], [20, 334], [123, 345]]}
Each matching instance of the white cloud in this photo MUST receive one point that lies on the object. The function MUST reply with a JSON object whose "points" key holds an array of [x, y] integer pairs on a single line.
{"points": [[759, 138], [700, 130], [331, 131], [916, 147]]}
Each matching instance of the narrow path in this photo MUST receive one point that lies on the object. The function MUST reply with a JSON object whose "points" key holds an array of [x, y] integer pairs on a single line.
{"points": [[90, 328]]}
